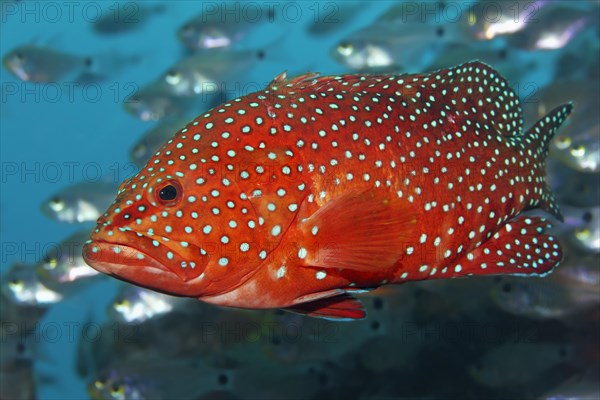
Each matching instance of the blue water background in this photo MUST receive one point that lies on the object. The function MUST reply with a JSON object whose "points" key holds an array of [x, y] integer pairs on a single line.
{"points": [[43, 131]]}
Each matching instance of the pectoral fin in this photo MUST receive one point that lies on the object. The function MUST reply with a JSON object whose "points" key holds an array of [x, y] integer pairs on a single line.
{"points": [[363, 231]]}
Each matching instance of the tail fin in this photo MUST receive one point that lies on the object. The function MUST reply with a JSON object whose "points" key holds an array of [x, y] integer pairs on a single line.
{"points": [[538, 140]]}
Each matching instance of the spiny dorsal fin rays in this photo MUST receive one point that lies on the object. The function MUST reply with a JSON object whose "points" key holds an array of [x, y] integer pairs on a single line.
{"points": [[282, 80]]}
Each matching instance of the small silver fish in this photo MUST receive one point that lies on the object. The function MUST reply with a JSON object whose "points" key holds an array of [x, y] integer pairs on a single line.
{"points": [[150, 141], [582, 386], [153, 103], [336, 15], [572, 187], [519, 363], [504, 58], [424, 11], [578, 144], [21, 285], [586, 236], [80, 202], [206, 72], [543, 299], [33, 63], [134, 304], [124, 17], [488, 19], [394, 46], [64, 266], [17, 379], [555, 28], [145, 378], [218, 29]]}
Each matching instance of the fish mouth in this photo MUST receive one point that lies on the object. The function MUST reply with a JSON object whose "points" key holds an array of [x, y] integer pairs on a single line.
{"points": [[138, 264], [111, 258], [135, 266]]}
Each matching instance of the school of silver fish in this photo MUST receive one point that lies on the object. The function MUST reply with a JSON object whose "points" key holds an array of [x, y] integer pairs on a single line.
{"points": [[446, 140]]}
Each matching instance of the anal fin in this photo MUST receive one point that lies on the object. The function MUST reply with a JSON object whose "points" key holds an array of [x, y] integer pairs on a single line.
{"points": [[343, 307], [520, 247]]}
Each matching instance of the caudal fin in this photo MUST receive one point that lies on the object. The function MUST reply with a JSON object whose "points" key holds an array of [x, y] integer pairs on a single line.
{"points": [[538, 140]]}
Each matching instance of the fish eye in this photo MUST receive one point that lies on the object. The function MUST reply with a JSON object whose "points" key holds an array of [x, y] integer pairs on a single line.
{"points": [[173, 77], [578, 151], [19, 56], [56, 204], [375, 325], [50, 262], [20, 348], [562, 352], [117, 389], [562, 142], [440, 31], [169, 194], [187, 29], [223, 379], [139, 150], [15, 282], [582, 234], [377, 303], [121, 306], [345, 48], [507, 288]]}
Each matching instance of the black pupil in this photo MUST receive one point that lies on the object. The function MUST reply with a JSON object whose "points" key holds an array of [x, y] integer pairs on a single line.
{"points": [[168, 193]]}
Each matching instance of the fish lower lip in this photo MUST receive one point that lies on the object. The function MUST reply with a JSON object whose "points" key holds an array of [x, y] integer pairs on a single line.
{"points": [[108, 258]]}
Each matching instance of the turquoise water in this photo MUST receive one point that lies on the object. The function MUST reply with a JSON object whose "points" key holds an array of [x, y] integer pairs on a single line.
{"points": [[54, 135]]}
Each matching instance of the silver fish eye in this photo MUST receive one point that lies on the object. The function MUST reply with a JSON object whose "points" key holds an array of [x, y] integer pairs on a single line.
{"points": [[56, 204], [345, 49], [173, 77], [139, 150]]}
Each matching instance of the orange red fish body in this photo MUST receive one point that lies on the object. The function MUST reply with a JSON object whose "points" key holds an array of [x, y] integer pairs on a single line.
{"points": [[315, 188]]}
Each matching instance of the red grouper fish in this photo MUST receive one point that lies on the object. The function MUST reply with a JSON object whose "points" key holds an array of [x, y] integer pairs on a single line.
{"points": [[315, 188]]}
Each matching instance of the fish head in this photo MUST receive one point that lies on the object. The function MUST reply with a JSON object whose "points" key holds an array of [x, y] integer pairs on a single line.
{"points": [[361, 54], [22, 285], [204, 36], [147, 235], [63, 264], [70, 208], [134, 304], [18, 63], [114, 385], [514, 296], [187, 224], [186, 80], [153, 103]]}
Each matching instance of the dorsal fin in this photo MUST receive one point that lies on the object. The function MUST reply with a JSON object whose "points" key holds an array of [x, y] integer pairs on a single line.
{"points": [[477, 92], [470, 93]]}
